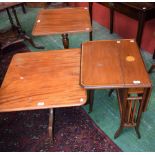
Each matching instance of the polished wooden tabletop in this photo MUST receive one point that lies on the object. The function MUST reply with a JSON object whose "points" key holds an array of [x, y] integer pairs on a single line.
{"points": [[62, 20], [132, 64], [112, 64], [39, 80]]}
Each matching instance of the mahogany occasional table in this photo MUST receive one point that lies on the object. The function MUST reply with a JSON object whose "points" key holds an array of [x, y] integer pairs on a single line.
{"points": [[117, 64], [42, 80], [62, 21]]}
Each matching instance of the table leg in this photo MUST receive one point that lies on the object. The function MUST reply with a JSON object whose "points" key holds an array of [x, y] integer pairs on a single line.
{"points": [[91, 11], [50, 126], [90, 36], [23, 8], [65, 40], [110, 92], [91, 19], [131, 105], [122, 96], [140, 112], [140, 28], [151, 68], [148, 94], [91, 100], [111, 20]]}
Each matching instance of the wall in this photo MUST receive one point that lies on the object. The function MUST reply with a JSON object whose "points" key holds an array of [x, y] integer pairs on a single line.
{"points": [[125, 26]]}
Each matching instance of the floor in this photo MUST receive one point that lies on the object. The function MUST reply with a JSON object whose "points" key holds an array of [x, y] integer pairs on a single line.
{"points": [[105, 113]]}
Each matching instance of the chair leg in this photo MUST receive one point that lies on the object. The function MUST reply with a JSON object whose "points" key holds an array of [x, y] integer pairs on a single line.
{"points": [[31, 42], [23, 8]]}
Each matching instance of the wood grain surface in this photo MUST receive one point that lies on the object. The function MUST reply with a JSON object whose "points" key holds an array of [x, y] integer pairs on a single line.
{"points": [[39, 80], [105, 64], [134, 72], [62, 20]]}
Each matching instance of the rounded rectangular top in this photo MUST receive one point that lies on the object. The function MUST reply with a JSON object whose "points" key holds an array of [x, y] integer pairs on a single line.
{"points": [[62, 20], [39, 80], [112, 64]]}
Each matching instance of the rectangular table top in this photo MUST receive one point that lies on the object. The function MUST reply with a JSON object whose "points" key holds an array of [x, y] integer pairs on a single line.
{"points": [[39, 80], [62, 20], [112, 64]]}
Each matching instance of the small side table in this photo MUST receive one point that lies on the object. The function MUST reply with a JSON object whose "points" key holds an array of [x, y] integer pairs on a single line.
{"points": [[62, 21], [43, 80], [117, 64]]}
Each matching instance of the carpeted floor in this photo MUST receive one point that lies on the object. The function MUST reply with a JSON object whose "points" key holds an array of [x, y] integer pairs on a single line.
{"points": [[73, 131], [105, 113]]}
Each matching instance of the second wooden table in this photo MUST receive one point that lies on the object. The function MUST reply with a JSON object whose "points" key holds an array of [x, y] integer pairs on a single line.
{"points": [[117, 64], [62, 21], [42, 80]]}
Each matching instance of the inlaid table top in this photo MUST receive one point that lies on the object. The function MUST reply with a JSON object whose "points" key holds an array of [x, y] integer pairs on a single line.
{"points": [[39, 80], [112, 64], [62, 20]]}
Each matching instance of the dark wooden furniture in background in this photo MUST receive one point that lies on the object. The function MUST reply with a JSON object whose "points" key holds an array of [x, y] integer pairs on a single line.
{"points": [[117, 64], [141, 11], [47, 4], [16, 34], [153, 65], [62, 21], [42, 80], [36, 4]]}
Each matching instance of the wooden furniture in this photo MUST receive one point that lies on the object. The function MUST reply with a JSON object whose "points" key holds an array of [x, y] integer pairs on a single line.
{"points": [[153, 65], [42, 80], [4, 5], [62, 21], [142, 11], [36, 4], [117, 64], [16, 34]]}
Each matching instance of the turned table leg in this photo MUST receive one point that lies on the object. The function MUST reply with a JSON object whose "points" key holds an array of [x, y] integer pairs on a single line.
{"points": [[65, 40]]}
